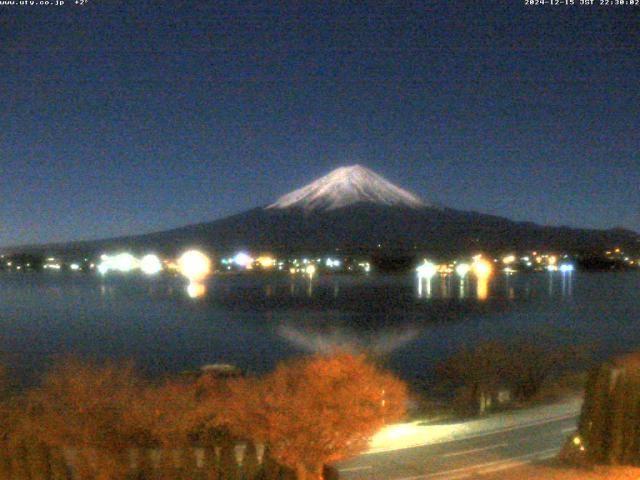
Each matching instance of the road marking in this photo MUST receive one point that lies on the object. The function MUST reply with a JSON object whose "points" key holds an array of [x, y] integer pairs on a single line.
{"points": [[355, 469], [474, 450], [476, 435], [570, 429], [488, 467]]}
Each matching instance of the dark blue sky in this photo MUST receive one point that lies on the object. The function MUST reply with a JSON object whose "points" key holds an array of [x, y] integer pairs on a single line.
{"points": [[122, 118]]}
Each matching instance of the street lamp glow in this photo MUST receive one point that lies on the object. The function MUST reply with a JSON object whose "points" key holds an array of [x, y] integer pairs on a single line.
{"points": [[481, 267], [150, 264], [124, 262], [266, 261], [310, 270], [509, 259], [426, 270], [194, 265], [462, 269], [567, 268], [242, 259], [331, 263], [103, 267]]}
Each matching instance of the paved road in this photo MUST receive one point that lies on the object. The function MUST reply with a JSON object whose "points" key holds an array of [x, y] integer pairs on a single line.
{"points": [[478, 454]]}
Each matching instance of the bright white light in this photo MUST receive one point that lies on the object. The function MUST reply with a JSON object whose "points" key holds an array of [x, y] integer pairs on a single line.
{"points": [[481, 267], [552, 268], [310, 270], [194, 265], [426, 270], [150, 264], [242, 259], [104, 267], [124, 262], [331, 263], [463, 269], [75, 267], [566, 268]]}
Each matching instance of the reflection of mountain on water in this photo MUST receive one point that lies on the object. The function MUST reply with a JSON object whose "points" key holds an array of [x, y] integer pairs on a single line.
{"points": [[379, 315], [324, 336]]}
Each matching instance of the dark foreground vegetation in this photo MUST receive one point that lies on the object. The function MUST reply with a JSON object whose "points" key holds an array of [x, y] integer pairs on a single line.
{"points": [[496, 375], [103, 422], [609, 429]]}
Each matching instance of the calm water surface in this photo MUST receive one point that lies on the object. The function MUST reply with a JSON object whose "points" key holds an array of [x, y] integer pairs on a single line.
{"points": [[255, 321]]}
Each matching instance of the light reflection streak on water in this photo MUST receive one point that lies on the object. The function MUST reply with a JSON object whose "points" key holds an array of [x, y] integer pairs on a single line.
{"points": [[567, 284], [196, 289], [448, 287], [426, 292], [482, 288]]}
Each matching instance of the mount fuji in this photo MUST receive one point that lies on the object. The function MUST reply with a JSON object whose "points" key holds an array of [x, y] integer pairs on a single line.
{"points": [[347, 186], [353, 210]]}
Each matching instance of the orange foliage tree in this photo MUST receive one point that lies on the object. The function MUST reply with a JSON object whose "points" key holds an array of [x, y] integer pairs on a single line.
{"points": [[164, 415], [81, 408], [315, 410]]}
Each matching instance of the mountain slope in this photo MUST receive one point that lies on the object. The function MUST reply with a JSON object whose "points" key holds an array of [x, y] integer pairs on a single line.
{"points": [[353, 210]]}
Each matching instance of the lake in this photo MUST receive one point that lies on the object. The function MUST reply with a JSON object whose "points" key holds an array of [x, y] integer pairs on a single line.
{"points": [[254, 321]]}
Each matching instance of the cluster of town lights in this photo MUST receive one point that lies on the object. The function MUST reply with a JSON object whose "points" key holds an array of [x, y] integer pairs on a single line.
{"points": [[480, 268], [194, 265]]}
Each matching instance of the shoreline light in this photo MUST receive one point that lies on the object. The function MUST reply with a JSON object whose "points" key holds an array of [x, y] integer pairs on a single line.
{"points": [[150, 264], [509, 259], [310, 270], [194, 265], [463, 269], [124, 262], [426, 270], [121, 262], [481, 267], [566, 268], [242, 259], [265, 261]]}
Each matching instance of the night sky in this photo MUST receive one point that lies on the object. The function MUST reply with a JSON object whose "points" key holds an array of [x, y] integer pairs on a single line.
{"points": [[129, 117]]}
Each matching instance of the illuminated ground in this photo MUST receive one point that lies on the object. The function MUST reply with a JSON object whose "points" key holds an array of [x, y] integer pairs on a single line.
{"points": [[553, 471], [476, 449]]}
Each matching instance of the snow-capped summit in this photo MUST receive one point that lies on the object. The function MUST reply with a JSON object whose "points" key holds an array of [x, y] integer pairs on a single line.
{"points": [[347, 186]]}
